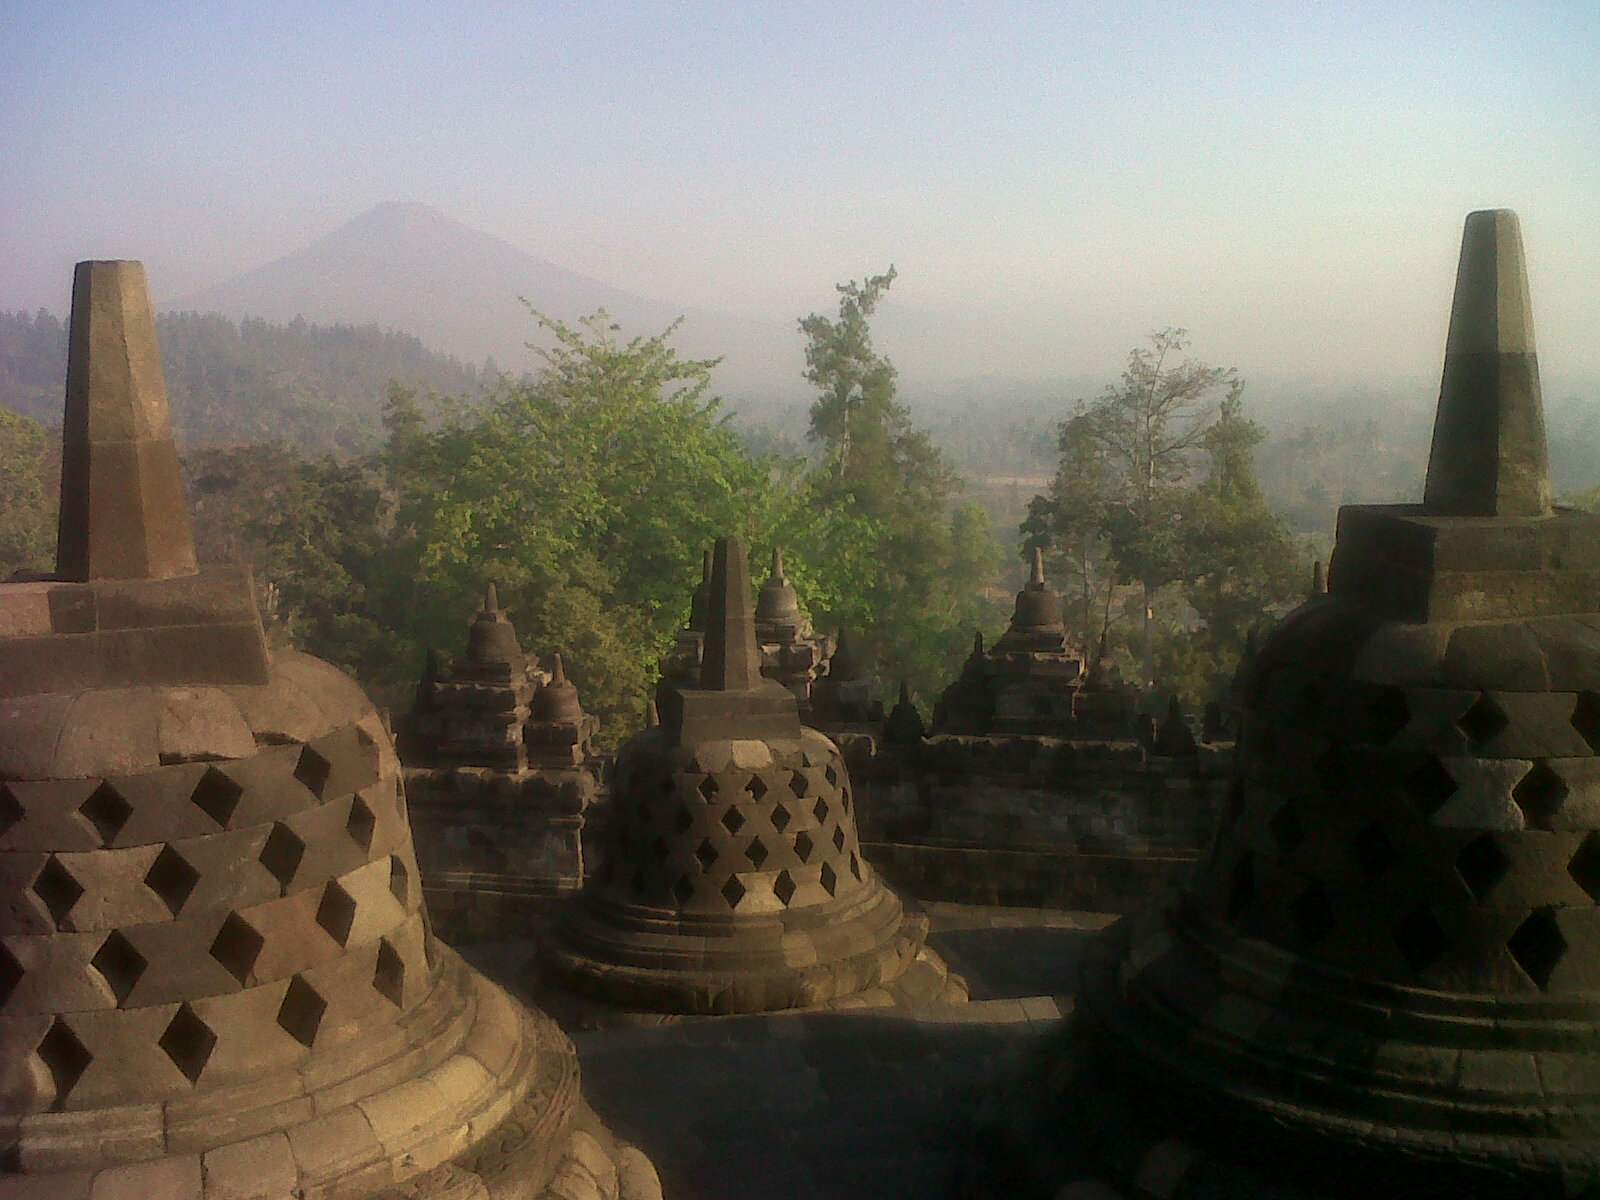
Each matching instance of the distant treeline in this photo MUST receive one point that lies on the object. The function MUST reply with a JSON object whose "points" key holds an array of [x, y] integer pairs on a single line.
{"points": [[319, 387]]}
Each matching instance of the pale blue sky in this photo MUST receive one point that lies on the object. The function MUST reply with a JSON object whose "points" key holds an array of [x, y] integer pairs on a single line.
{"points": [[1287, 180]]}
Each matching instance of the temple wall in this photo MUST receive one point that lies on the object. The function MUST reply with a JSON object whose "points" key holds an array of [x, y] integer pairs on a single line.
{"points": [[497, 849], [1034, 821]]}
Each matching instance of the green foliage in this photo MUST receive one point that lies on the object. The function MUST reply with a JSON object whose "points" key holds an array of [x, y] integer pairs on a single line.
{"points": [[587, 494], [924, 557], [1156, 495], [28, 464], [318, 387]]}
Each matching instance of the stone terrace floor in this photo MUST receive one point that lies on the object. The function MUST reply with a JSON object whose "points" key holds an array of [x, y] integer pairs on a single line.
{"points": [[866, 1104]]}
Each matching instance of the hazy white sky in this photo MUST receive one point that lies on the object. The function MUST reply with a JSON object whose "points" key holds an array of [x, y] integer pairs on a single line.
{"points": [[1287, 180]]}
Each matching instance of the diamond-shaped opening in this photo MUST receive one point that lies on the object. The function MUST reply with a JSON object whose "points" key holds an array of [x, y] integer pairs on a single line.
{"points": [[831, 774], [798, 783], [188, 1042], [120, 964], [1481, 864], [683, 890], [660, 849], [1331, 770], [1372, 850], [65, 1057], [706, 853], [217, 796], [389, 975], [1586, 718], [1388, 713], [855, 866], [803, 846], [784, 887], [838, 838], [281, 854], [733, 820], [781, 817], [237, 946], [10, 974], [733, 891], [107, 811], [399, 879], [708, 786], [172, 878], [820, 809], [361, 824], [313, 770], [830, 879], [1312, 914], [757, 787], [1430, 786], [1484, 721], [336, 912], [301, 1011], [1540, 794], [1286, 828], [1242, 885], [757, 852], [11, 810], [56, 887], [1537, 945], [682, 820], [1585, 866], [844, 801], [1421, 940]]}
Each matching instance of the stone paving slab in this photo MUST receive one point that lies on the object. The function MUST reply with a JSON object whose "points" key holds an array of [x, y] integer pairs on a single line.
{"points": [[869, 1104]]}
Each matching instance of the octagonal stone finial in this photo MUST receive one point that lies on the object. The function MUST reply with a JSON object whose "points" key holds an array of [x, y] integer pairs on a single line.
{"points": [[123, 510], [1489, 456], [732, 660]]}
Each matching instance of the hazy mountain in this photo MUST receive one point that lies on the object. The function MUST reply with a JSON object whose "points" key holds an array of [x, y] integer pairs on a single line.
{"points": [[411, 268]]}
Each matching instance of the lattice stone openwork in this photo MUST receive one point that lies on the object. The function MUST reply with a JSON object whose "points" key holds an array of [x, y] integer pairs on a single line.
{"points": [[1385, 979], [731, 876]]}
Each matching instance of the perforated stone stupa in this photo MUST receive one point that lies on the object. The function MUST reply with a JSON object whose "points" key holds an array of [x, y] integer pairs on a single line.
{"points": [[731, 877], [216, 976], [1385, 981]]}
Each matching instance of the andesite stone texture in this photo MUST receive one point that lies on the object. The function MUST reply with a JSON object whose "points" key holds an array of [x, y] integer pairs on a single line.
{"points": [[501, 775], [731, 877], [216, 975], [1385, 978]]}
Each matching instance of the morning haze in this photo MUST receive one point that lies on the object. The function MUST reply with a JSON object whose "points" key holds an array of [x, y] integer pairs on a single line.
{"points": [[1051, 183]]}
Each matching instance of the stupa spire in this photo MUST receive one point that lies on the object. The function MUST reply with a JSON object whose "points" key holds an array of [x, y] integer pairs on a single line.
{"points": [[1036, 568], [123, 511], [732, 661], [1489, 455]]}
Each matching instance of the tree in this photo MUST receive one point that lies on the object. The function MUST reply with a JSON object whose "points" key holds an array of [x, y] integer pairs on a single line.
{"points": [[1156, 492], [587, 493], [27, 495], [930, 555]]}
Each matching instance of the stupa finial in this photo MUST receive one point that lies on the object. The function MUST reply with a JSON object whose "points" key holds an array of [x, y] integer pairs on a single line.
{"points": [[1036, 569], [491, 598], [731, 661], [123, 511], [1319, 580], [1489, 455]]}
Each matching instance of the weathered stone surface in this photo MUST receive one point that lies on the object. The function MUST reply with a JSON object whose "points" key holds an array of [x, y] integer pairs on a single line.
{"points": [[1357, 990]]}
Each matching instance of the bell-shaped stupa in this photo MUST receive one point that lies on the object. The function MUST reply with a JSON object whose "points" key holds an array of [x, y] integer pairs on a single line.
{"points": [[731, 878], [1384, 981], [216, 975]]}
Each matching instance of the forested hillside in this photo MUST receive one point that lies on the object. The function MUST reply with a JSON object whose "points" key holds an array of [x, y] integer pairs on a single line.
{"points": [[320, 387]]}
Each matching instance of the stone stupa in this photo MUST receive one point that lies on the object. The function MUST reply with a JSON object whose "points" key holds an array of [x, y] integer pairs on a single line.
{"points": [[1384, 981], [216, 974], [731, 878]]}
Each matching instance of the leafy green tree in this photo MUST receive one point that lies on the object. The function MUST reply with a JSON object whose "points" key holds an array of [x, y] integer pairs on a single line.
{"points": [[928, 556], [587, 493], [27, 495], [1156, 494]]}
